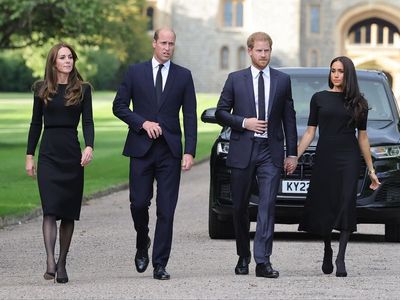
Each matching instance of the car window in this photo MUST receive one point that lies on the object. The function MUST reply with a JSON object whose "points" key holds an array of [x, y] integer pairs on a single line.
{"points": [[376, 96], [303, 87]]}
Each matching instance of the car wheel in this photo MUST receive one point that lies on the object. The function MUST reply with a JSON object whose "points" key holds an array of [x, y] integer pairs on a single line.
{"points": [[392, 232], [219, 229]]}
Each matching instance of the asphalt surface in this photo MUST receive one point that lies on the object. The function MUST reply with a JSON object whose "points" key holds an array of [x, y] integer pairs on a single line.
{"points": [[101, 264]]}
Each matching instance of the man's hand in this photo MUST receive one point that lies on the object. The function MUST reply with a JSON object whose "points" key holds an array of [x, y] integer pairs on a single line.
{"points": [[290, 165], [187, 162], [153, 129], [253, 124]]}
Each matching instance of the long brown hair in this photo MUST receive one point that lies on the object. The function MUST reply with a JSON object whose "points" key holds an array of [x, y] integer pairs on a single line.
{"points": [[355, 102], [47, 87]]}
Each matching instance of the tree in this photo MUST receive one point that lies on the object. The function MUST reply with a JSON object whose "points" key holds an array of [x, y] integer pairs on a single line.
{"points": [[33, 22]]}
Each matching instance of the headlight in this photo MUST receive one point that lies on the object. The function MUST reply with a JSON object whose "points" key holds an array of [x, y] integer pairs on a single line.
{"points": [[223, 148], [385, 152]]}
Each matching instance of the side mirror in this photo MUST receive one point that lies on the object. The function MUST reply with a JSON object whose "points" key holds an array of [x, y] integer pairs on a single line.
{"points": [[208, 116]]}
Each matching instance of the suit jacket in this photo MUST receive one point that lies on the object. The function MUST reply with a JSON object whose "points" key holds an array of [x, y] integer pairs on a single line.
{"points": [[138, 88], [237, 102]]}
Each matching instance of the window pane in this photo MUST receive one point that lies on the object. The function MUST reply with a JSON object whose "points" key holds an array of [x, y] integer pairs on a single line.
{"points": [[228, 13], [242, 58], [239, 14], [224, 57], [314, 19]]}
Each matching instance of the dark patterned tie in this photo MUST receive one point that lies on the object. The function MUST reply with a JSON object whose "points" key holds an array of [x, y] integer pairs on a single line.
{"points": [[159, 84], [261, 97]]}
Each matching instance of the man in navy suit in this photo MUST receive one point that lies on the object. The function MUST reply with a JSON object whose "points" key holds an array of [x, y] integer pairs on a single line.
{"points": [[257, 104], [158, 90]]}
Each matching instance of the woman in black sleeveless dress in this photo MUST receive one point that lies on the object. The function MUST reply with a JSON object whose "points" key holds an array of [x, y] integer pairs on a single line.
{"points": [[331, 198], [59, 102]]}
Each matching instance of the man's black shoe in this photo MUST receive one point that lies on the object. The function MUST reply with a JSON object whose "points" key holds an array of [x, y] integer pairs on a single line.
{"points": [[242, 266], [142, 258], [265, 270], [160, 273]]}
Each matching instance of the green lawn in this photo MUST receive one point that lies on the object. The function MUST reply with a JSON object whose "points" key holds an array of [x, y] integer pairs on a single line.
{"points": [[19, 193]]}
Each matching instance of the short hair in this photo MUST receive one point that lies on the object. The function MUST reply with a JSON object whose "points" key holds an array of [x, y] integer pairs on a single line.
{"points": [[157, 32], [258, 36]]}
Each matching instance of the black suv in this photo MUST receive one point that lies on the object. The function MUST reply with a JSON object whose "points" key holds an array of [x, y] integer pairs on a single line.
{"points": [[381, 206]]}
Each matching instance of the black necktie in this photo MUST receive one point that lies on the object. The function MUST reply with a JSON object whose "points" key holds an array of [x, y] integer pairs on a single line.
{"points": [[261, 97], [159, 84]]}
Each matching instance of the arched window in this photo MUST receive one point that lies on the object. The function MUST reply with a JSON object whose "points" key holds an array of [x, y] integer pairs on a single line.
{"points": [[150, 18], [224, 58], [241, 57], [232, 13], [373, 31]]}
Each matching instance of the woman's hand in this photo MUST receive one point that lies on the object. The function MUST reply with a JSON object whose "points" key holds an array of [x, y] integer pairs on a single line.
{"points": [[87, 156], [374, 181], [30, 166]]}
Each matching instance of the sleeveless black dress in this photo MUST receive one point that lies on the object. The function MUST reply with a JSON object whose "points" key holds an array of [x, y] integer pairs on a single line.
{"points": [[331, 197], [59, 172]]}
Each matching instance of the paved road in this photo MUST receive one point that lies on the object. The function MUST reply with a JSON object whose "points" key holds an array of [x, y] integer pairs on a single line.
{"points": [[101, 259]]}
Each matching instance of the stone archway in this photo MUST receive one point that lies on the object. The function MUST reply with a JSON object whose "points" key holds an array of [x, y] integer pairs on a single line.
{"points": [[370, 53]]}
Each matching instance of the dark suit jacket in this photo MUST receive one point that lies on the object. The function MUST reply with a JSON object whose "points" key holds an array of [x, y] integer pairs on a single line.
{"points": [[237, 102], [138, 87]]}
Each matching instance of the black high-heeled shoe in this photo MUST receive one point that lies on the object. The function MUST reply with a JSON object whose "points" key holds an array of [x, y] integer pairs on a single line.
{"points": [[61, 279], [327, 266], [49, 275], [340, 268]]}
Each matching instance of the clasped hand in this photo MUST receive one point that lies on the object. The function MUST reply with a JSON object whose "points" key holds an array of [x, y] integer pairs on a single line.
{"points": [[153, 129], [258, 126], [290, 165]]}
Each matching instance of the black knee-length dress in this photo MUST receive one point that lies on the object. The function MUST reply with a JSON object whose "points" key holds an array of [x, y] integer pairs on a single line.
{"points": [[59, 172], [331, 197]]}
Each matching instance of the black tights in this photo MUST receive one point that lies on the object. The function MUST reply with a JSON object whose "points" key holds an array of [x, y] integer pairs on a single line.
{"points": [[343, 240], [50, 236]]}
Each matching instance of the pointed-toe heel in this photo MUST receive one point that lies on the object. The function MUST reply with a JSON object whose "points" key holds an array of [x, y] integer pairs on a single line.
{"points": [[327, 266], [340, 268], [49, 276]]}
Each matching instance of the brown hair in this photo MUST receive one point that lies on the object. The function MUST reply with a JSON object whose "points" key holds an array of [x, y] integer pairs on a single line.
{"points": [[47, 87], [157, 32], [258, 36]]}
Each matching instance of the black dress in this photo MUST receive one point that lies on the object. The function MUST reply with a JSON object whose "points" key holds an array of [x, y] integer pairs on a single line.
{"points": [[331, 198], [59, 172]]}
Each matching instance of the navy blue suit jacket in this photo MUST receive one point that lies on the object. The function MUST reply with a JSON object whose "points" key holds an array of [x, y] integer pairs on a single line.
{"points": [[138, 88], [237, 102]]}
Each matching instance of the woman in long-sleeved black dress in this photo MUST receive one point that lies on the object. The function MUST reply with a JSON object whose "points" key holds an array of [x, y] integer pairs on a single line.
{"points": [[331, 198], [60, 100]]}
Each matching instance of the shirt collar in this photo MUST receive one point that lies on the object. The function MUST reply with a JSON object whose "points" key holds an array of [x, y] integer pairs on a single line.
{"points": [[155, 63], [255, 71]]}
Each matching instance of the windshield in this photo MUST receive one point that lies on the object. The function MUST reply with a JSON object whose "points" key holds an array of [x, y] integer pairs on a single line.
{"points": [[304, 87]]}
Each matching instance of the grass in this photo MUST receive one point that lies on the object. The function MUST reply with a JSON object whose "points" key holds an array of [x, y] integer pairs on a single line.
{"points": [[19, 193]]}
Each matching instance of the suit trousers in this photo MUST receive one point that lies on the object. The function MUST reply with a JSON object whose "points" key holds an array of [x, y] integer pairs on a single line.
{"points": [[267, 175], [158, 164]]}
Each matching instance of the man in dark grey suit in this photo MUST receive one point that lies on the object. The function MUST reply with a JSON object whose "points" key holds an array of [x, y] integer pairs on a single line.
{"points": [[157, 89], [257, 104]]}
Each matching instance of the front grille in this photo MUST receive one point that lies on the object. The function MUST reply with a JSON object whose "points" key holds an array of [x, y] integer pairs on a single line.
{"points": [[389, 191], [306, 163]]}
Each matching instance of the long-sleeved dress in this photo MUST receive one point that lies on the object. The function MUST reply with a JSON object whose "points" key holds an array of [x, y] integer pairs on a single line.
{"points": [[59, 172], [331, 198]]}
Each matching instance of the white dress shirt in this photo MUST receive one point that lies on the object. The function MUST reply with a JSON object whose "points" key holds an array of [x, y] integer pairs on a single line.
{"points": [[164, 71], [255, 73]]}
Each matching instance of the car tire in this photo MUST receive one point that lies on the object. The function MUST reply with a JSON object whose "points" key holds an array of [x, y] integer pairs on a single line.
{"points": [[219, 228], [392, 232]]}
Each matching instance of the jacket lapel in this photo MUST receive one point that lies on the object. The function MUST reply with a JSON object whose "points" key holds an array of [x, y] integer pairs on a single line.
{"points": [[149, 81], [250, 90], [272, 89]]}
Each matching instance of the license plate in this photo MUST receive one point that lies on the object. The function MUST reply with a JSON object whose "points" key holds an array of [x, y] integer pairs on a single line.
{"points": [[295, 186]]}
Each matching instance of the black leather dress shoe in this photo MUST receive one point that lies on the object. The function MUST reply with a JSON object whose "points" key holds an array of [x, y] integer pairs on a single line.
{"points": [[142, 258], [160, 273], [242, 266], [265, 270]]}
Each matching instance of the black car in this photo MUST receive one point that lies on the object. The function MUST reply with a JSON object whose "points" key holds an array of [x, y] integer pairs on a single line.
{"points": [[381, 206]]}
